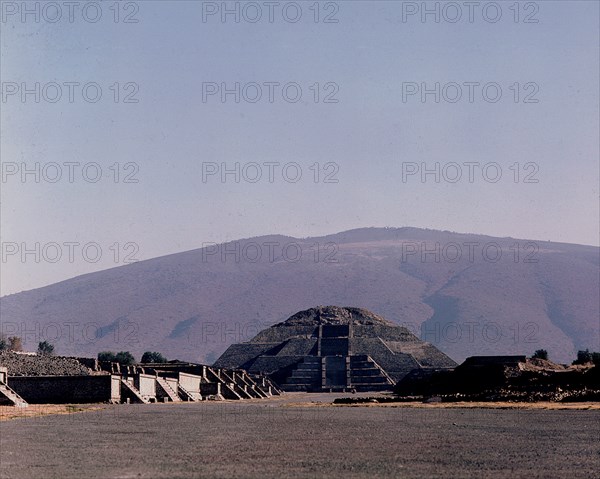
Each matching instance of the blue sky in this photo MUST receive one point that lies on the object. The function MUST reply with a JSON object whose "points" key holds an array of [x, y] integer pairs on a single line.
{"points": [[364, 60]]}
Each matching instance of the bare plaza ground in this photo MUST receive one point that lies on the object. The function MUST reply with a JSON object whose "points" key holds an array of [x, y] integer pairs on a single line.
{"points": [[300, 436]]}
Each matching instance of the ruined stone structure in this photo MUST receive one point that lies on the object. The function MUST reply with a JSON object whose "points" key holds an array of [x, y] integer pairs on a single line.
{"points": [[86, 380], [67, 389], [504, 378], [8, 397], [205, 381], [334, 348]]}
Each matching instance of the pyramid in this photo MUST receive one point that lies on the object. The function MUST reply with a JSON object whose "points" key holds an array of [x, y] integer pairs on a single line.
{"points": [[332, 348]]}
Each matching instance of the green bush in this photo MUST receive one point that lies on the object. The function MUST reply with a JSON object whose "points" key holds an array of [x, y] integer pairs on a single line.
{"points": [[125, 358], [586, 356], [45, 348], [153, 357], [107, 356], [540, 354]]}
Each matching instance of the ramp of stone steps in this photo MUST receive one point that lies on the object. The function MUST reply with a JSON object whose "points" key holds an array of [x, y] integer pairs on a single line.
{"points": [[367, 375], [260, 392], [129, 391], [229, 392], [167, 391], [363, 372], [306, 376], [397, 365], [266, 385], [189, 395], [8, 397], [242, 391]]}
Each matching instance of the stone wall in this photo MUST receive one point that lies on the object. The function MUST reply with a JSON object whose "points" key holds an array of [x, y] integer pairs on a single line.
{"points": [[146, 385], [210, 389], [65, 389], [190, 382]]}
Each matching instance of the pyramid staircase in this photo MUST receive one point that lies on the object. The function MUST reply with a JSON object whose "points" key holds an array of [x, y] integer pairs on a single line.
{"points": [[306, 377], [362, 374], [367, 375], [10, 397]]}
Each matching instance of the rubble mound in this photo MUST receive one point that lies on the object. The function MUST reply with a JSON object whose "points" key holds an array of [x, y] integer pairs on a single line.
{"points": [[499, 379], [39, 365], [536, 364]]}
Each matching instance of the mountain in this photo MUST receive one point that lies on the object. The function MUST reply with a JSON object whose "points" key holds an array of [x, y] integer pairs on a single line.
{"points": [[467, 294]]}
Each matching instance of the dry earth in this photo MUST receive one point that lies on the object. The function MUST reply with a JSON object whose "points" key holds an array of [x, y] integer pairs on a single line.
{"points": [[283, 439], [36, 410]]}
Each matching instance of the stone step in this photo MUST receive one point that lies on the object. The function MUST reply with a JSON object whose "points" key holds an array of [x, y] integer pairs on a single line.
{"points": [[308, 367], [308, 372], [229, 392], [188, 395], [134, 391], [312, 379], [303, 381], [12, 396], [304, 373], [365, 372], [172, 395], [370, 380], [362, 365], [297, 387], [311, 360]]}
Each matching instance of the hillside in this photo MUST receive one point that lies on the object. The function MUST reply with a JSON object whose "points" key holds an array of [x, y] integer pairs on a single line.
{"points": [[192, 305]]}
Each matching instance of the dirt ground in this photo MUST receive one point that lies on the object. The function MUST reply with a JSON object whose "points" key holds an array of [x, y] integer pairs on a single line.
{"points": [[302, 436], [35, 410]]}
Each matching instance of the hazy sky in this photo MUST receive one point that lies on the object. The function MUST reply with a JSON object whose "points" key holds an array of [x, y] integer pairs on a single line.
{"points": [[360, 119]]}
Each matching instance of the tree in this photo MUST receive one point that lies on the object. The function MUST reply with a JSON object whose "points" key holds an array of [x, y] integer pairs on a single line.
{"points": [[45, 348], [107, 356], [583, 357], [153, 357], [15, 343], [125, 358], [540, 354], [3, 343]]}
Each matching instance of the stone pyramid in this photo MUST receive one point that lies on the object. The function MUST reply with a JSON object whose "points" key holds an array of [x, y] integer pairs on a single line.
{"points": [[331, 348]]}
